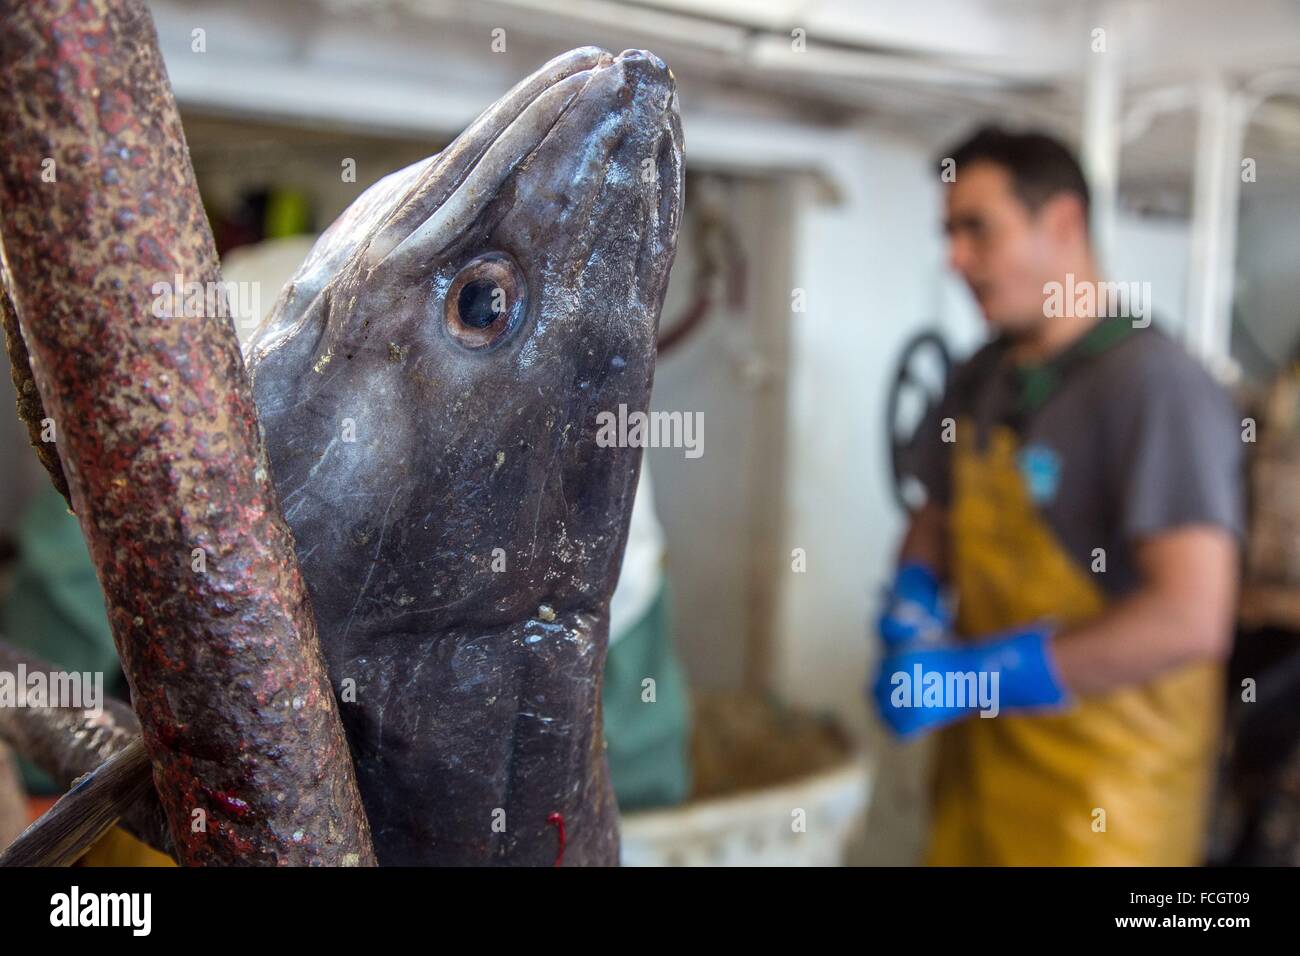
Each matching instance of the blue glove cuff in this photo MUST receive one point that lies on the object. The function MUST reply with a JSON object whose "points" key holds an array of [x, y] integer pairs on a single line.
{"points": [[1027, 672], [924, 688]]}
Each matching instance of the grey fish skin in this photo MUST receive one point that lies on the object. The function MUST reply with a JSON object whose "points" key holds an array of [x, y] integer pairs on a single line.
{"points": [[424, 427]]}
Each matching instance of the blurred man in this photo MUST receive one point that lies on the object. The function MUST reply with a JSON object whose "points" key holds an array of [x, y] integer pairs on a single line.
{"points": [[1083, 509]]}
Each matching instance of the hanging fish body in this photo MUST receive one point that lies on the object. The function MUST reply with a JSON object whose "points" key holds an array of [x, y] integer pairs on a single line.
{"points": [[431, 383]]}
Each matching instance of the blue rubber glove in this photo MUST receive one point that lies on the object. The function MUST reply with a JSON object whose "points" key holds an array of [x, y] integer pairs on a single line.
{"points": [[1012, 671], [914, 609]]}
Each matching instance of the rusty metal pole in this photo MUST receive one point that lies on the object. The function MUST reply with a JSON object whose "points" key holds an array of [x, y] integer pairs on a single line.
{"points": [[159, 440]]}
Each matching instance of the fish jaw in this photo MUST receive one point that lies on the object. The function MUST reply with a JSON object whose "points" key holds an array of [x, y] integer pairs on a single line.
{"points": [[449, 501], [479, 739]]}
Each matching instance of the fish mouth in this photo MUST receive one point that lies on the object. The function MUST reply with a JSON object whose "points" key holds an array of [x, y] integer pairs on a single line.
{"points": [[450, 194]]}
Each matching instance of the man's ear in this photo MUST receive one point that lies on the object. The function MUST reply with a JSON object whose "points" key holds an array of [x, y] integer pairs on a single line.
{"points": [[1064, 219]]}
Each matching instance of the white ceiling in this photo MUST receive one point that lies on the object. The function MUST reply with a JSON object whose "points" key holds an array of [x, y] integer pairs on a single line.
{"points": [[931, 66]]}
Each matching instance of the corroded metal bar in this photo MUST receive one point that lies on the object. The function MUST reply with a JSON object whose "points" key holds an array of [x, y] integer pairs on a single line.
{"points": [[159, 439]]}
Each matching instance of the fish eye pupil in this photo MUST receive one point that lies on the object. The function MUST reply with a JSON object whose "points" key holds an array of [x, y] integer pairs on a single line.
{"points": [[486, 302], [480, 303]]}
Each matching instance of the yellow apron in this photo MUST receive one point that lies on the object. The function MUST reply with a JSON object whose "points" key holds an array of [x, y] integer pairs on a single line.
{"points": [[1119, 779], [119, 848]]}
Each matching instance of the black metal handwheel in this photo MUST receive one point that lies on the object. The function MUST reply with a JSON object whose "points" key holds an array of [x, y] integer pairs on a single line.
{"points": [[915, 392]]}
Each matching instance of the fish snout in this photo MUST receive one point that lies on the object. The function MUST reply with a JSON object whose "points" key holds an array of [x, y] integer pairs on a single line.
{"points": [[648, 77], [646, 61], [656, 144]]}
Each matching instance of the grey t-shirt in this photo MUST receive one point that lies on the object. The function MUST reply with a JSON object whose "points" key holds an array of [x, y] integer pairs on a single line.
{"points": [[1135, 440]]}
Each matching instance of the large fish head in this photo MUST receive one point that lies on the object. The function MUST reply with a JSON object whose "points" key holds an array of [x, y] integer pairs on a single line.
{"points": [[430, 384]]}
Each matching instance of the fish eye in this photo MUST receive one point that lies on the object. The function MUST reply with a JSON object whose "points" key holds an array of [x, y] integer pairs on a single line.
{"points": [[485, 301]]}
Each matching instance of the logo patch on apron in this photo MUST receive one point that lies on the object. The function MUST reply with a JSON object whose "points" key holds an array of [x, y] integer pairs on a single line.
{"points": [[1040, 467]]}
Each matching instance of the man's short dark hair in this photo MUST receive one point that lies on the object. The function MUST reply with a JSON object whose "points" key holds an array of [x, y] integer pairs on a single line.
{"points": [[1040, 166]]}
